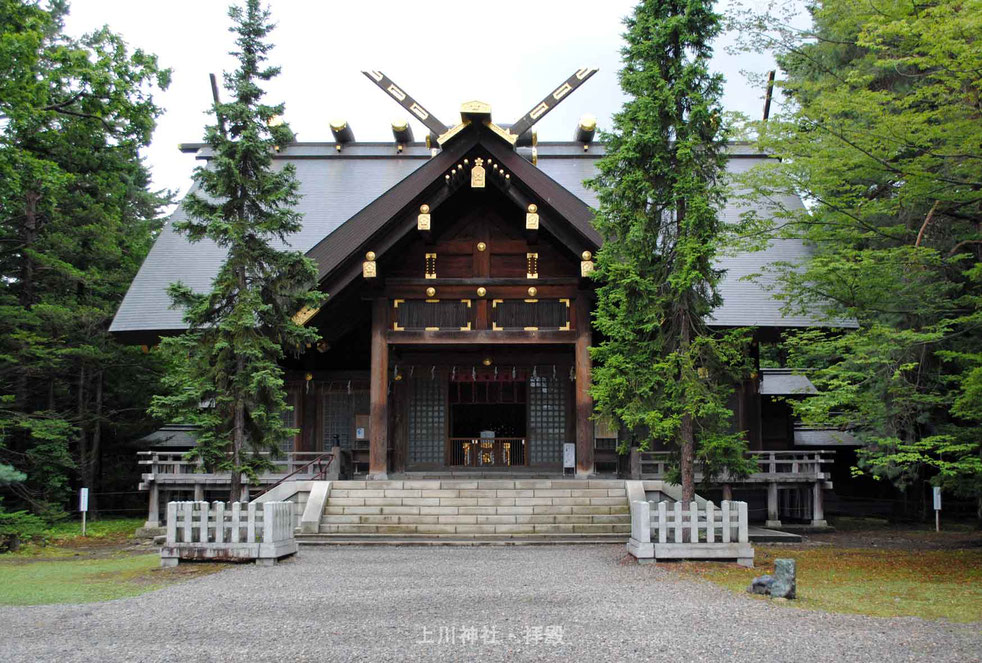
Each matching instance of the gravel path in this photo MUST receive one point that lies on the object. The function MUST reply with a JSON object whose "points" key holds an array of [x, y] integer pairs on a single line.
{"points": [[583, 604]]}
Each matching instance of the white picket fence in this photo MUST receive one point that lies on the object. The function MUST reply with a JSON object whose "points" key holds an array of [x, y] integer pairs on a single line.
{"points": [[228, 532], [696, 532]]}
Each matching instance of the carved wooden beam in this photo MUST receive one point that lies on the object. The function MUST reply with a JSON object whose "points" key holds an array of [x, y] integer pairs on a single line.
{"points": [[403, 99], [551, 100]]}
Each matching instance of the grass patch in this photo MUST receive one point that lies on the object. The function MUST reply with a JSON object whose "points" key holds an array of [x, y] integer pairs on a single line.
{"points": [[58, 580], [112, 529], [932, 584]]}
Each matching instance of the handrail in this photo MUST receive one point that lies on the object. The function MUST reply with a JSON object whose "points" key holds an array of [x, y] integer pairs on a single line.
{"points": [[320, 473]]}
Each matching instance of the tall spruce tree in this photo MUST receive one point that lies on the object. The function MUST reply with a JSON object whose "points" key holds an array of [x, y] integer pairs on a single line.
{"points": [[224, 376], [76, 219], [660, 372]]}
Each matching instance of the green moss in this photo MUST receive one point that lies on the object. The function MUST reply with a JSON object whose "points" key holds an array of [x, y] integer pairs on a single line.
{"points": [[932, 584], [60, 580]]}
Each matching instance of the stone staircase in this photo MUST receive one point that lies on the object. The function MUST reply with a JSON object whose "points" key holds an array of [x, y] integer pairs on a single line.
{"points": [[478, 510]]}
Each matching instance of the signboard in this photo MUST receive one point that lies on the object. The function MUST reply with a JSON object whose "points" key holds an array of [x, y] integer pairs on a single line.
{"points": [[569, 456], [937, 509], [83, 505]]}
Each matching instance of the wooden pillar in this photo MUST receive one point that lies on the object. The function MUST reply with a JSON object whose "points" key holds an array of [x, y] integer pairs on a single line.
{"points": [[773, 519], [199, 492], [584, 403], [727, 492], [153, 513], [378, 423], [818, 506]]}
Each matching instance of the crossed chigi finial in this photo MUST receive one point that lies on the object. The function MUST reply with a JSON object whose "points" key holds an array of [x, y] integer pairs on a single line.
{"points": [[525, 123]]}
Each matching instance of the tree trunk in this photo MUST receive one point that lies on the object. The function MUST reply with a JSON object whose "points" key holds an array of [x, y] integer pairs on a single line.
{"points": [[687, 433], [95, 452], [238, 431]]}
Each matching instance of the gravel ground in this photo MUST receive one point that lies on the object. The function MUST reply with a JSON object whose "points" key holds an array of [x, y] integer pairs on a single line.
{"points": [[563, 603]]}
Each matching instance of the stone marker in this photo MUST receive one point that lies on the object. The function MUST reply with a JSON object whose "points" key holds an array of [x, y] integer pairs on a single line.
{"points": [[761, 585], [784, 579], [781, 585]]}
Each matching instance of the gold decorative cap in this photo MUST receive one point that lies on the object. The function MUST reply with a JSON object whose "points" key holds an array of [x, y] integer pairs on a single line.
{"points": [[533, 208], [588, 122], [338, 125], [482, 291], [424, 208], [370, 255], [399, 125], [430, 292], [587, 255]]}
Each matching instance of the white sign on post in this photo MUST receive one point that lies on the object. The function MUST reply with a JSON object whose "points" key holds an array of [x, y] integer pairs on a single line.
{"points": [[83, 505], [937, 509], [569, 456]]}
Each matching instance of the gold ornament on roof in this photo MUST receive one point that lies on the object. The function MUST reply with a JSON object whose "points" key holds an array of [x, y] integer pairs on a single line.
{"points": [[477, 174]]}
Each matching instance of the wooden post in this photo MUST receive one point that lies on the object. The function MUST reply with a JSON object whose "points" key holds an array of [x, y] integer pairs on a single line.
{"points": [[584, 403], [199, 492], [727, 492], [378, 424], [773, 519], [818, 507]]}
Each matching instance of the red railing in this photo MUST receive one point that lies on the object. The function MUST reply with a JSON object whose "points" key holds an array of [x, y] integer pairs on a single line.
{"points": [[486, 452]]}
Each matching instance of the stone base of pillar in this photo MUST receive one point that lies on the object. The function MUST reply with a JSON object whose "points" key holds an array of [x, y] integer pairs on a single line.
{"points": [[819, 523], [378, 476], [772, 523]]}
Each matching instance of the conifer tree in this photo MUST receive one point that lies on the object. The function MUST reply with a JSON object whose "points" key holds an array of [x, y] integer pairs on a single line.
{"points": [[660, 373], [76, 218], [225, 377]]}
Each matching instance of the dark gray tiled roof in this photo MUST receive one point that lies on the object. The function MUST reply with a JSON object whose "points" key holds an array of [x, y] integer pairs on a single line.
{"points": [[785, 382], [335, 186]]}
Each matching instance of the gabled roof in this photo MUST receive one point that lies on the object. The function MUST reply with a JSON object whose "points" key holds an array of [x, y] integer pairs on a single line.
{"points": [[349, 196]]}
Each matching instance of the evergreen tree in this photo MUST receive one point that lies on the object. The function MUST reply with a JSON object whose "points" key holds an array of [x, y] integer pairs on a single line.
{"points": [[881, 132], [660, 372], [224, 376], [76, 219]]}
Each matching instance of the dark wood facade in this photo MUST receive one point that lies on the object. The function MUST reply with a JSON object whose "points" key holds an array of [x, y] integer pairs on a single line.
{"points": [[471, 331]]}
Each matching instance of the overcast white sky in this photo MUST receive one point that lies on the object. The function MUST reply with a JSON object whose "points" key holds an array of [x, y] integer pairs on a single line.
{"points": [[509, 53]]}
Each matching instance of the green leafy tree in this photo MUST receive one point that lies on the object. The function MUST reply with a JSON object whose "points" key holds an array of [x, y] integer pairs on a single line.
{"points": [[880, 132], [660, 371], [225, 377], [76, 218]]}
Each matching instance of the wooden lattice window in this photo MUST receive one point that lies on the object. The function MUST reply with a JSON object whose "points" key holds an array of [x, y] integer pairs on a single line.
{"points": [[432, 314], [547, 418], [340, 408], [427, 419], [530, 314]]}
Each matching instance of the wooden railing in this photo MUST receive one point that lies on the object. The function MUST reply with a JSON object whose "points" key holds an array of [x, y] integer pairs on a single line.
{"points": [[171, 467], [486, 452], [787, 466]]}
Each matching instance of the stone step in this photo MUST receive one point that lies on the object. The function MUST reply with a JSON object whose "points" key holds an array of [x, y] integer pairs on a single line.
{"points": [[458, 539], [480, 484], [455, 493], [472, 528], [390, 519], [538, 509]]}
